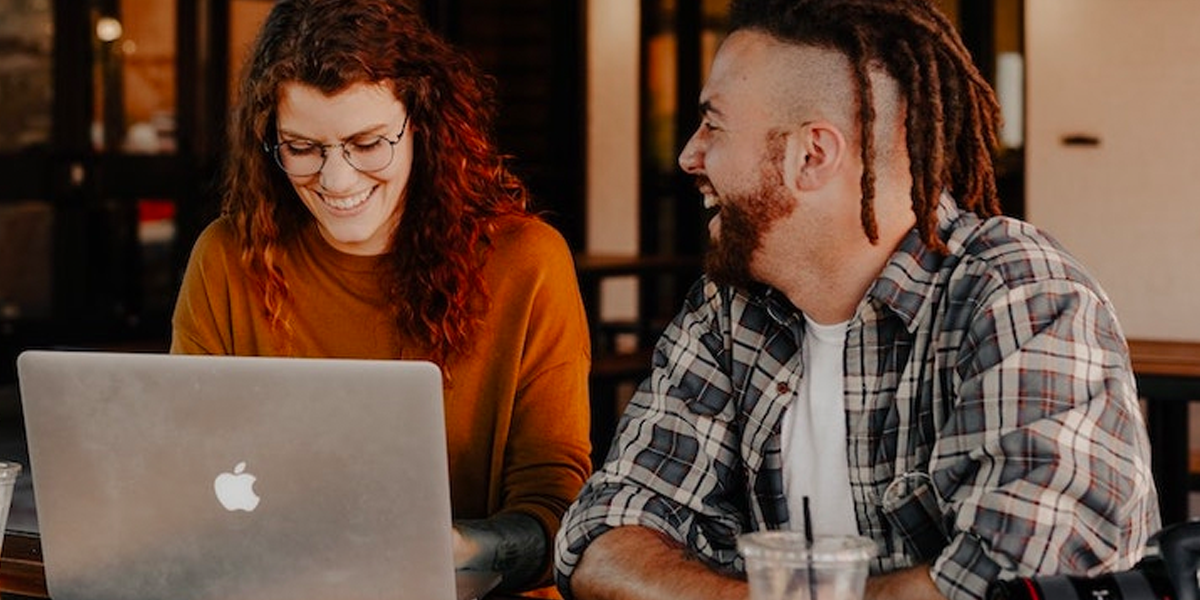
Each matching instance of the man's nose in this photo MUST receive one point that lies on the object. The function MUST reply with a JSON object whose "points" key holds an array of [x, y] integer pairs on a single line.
{"points": [[691, 157]]}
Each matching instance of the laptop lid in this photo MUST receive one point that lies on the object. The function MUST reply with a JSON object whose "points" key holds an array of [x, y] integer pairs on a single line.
{"points": [[201, 477]]}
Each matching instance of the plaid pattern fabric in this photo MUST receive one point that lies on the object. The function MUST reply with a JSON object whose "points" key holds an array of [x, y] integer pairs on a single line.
{"points": [[998, 372]]}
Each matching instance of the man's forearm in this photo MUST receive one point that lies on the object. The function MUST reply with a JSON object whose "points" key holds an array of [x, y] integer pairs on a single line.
{"points": [[636, 563], [914, 583]]}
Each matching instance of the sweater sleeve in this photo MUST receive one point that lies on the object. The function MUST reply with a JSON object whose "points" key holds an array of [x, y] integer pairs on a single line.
{"points": [[201, 321], [547, 456]]}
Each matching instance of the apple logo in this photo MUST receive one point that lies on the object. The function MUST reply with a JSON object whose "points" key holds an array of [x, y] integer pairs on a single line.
{"points": [[235, 490]]}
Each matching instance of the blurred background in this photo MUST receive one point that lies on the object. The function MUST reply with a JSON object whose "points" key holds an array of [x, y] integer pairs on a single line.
{"points": [[112, 116]]}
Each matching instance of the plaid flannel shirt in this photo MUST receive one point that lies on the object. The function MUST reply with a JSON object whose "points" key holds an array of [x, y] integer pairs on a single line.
{"points": [[997, 373]]}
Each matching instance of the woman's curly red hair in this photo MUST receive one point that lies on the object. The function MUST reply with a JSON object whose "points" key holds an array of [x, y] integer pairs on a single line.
{"points": [[459, 181]]}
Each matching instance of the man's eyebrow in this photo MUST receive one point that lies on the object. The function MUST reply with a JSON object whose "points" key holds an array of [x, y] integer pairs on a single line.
{"points": [[707, 108]]}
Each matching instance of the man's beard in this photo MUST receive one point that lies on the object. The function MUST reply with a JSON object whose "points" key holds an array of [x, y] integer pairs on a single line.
{"points": [[745, 218]]}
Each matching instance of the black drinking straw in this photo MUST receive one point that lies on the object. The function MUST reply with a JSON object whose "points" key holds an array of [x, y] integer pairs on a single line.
{"points": [[808, 544]]}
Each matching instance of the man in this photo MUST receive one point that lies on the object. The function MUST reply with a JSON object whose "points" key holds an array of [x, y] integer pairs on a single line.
{"points": [[870, 336]]}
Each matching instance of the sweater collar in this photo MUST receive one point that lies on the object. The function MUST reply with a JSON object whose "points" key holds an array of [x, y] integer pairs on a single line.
{"points": [[324, 252]]}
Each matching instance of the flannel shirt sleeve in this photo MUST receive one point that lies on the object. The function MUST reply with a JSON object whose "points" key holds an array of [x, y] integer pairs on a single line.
{"points": [[1045, 457], [673, 464]]}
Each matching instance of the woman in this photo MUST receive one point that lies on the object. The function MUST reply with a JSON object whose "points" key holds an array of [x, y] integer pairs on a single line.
{"points": [[367, 214]]}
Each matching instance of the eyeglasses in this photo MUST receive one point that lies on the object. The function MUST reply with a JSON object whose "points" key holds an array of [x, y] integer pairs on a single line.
{"points": [[367, 154]]}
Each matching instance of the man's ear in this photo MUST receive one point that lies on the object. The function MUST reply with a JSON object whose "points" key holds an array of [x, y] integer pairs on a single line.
{"points": [[813, 156]]}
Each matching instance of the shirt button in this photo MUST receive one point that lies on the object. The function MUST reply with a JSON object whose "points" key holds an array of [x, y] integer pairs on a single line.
{"points": [[782, 387]]}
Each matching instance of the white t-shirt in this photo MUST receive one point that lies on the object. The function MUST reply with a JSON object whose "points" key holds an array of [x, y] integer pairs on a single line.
{"points": [[814, 437]]}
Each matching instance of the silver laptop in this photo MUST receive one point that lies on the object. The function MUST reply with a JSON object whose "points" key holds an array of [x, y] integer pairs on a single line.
{"points": [[210, 478]]}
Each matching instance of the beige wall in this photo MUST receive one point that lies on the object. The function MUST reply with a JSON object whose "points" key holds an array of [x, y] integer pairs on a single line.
{"points": [[1123, 73]]}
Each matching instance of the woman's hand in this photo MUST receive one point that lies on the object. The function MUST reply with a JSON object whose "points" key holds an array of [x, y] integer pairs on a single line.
{"points": [[512, 544], [465, 549]]}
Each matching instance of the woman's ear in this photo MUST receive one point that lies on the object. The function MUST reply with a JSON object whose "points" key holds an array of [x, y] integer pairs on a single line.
{"points": [[814, 154]]}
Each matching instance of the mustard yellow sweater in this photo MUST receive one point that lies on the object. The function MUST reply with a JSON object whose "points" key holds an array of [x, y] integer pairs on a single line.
{"points": [[516, 408]]}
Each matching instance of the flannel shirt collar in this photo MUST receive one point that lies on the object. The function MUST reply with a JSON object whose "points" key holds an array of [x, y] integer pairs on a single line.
{"points": [[906, 286]]}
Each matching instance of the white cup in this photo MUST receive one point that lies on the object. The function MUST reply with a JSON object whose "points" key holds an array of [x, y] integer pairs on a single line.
{"points": [[783, 565], [8, 477]]}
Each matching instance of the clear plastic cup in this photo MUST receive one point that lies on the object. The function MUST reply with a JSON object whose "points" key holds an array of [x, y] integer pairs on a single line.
{"points": [[8, 477], [782, 565]]}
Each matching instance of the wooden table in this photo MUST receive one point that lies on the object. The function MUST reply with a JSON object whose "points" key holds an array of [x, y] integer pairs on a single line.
{"points": [[593, 269], [21, 574], [1168, 378]]}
